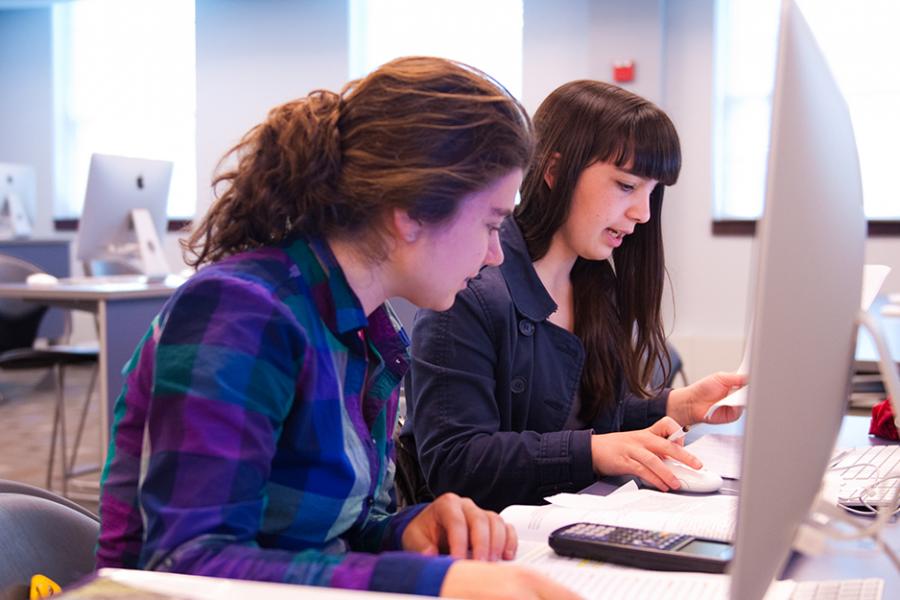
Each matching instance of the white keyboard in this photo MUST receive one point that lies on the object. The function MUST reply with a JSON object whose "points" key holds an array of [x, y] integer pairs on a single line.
{"points": [[848, 589], [860, 468]]}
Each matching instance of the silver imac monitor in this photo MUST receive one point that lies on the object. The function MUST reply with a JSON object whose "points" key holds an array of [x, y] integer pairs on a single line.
{"points": [[18, 194], [810, 264], [124, 214]]}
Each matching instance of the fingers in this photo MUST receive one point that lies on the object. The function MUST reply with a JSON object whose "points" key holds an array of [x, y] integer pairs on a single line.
{"points": [[479, 529], [735, 379], [547, 589], [452, 519], [469, 528], [725, 414], [472, 579], [663, 447], [665, 427], [497, 540], [651, 470], [512, 542], [683, 456]]}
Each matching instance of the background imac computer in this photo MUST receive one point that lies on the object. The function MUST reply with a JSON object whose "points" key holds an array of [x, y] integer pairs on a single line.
{"points": [[18, 192], [807, 295], [124, 214]]}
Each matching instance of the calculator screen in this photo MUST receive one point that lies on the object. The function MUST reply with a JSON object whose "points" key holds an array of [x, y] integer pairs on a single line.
{"points": [[711, 549]]}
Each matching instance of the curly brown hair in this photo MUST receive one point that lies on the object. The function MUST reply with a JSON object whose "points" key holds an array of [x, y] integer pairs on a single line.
{"points": [[416, 134]]}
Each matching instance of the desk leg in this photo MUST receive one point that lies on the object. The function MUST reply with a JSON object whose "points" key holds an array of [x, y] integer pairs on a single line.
{"points": [[122, 324]]}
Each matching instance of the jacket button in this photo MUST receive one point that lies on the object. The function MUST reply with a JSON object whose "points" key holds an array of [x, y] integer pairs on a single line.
{"points": [[517, 385], [526, 327]]}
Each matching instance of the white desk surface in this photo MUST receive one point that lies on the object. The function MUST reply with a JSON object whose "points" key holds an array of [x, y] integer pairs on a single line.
{"points": [[840, 560], [93, 288], [210, 588]]}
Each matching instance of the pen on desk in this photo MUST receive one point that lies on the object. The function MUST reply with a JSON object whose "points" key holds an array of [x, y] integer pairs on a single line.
{"points": [[677, 435]]}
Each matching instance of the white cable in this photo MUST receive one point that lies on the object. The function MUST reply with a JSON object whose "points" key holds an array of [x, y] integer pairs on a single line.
{"points": [[873, 530], [831, 515]]}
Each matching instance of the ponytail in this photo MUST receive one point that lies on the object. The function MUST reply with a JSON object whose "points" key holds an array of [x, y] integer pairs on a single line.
{"points": [[417, 134]]}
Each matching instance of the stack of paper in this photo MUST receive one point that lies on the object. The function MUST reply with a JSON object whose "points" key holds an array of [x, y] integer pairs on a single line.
{"points": [[711, 517], [707, 516]]}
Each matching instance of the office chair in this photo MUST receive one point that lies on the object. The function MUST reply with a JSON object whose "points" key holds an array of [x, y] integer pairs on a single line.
{"points": [[677, 367], [40, 534], [658, 381], [19, 322], [8, 486]]}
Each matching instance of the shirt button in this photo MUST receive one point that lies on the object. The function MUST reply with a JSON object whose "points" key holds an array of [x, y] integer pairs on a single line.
{"points": [[370, 500], [517, 385], [526, 327]]}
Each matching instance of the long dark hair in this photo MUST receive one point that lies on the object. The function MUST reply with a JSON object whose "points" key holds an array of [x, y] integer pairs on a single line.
{"points": [[617, 301], [418, 134]]}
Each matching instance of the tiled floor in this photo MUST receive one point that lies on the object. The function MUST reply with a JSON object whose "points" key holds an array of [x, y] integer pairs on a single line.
{"points": [[26, 421]]}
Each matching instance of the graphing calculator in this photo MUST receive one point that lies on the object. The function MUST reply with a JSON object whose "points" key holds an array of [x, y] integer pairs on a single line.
{"points": [[642, 548]]}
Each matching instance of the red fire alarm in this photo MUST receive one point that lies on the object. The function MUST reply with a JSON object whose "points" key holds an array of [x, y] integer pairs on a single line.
{"points": [[623, 71]]}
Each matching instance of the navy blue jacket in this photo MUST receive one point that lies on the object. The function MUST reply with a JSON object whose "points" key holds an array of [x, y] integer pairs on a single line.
{"points": [[493, 382]]}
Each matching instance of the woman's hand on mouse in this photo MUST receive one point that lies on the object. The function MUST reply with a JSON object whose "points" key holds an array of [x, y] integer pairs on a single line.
{"points": [[641, 453]]}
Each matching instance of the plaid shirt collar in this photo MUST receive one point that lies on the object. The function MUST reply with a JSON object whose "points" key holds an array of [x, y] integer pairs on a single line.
{"points": [[340, 307]]}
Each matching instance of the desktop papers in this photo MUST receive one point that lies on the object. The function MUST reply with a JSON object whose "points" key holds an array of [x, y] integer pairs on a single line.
{"points": [[705, 516], [720, 453], [593, 579], [632, 507]]}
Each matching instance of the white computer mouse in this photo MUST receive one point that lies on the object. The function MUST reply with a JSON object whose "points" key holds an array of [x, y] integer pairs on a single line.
{"points": [[694, 480], [41, 279]]}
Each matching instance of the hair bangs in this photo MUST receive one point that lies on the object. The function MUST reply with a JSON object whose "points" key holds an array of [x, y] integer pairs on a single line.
{"points": [[649, 148]]}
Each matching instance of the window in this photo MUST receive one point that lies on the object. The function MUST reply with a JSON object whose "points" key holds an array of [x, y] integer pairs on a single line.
{"points": [[486, 35], [858, 40], [125, 84]]}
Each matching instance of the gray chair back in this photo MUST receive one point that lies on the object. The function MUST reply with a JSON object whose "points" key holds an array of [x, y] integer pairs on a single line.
{"points": [[40, 535], [8, 486]]}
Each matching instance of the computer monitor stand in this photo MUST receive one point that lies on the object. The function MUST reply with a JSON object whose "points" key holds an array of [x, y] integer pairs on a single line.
{"points": [[153, 260], [144, 256], [14, 221]]}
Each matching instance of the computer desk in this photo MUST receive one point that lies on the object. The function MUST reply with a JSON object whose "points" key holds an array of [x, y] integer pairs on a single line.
{"points": [[173, 585], [841, 560], [124, 307], [51, 255]]}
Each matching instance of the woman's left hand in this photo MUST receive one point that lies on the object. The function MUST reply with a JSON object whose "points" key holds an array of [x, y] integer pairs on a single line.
{"points": [[456, 526], [688, 405]]}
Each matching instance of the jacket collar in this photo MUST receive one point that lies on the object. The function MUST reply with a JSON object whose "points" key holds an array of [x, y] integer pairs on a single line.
{"points": [[528, 293]]}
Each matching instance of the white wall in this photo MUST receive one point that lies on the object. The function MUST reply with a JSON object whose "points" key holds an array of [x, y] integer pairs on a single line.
{"points": [[26, 101], [581, 39], [710, 274], [252, 55]]}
